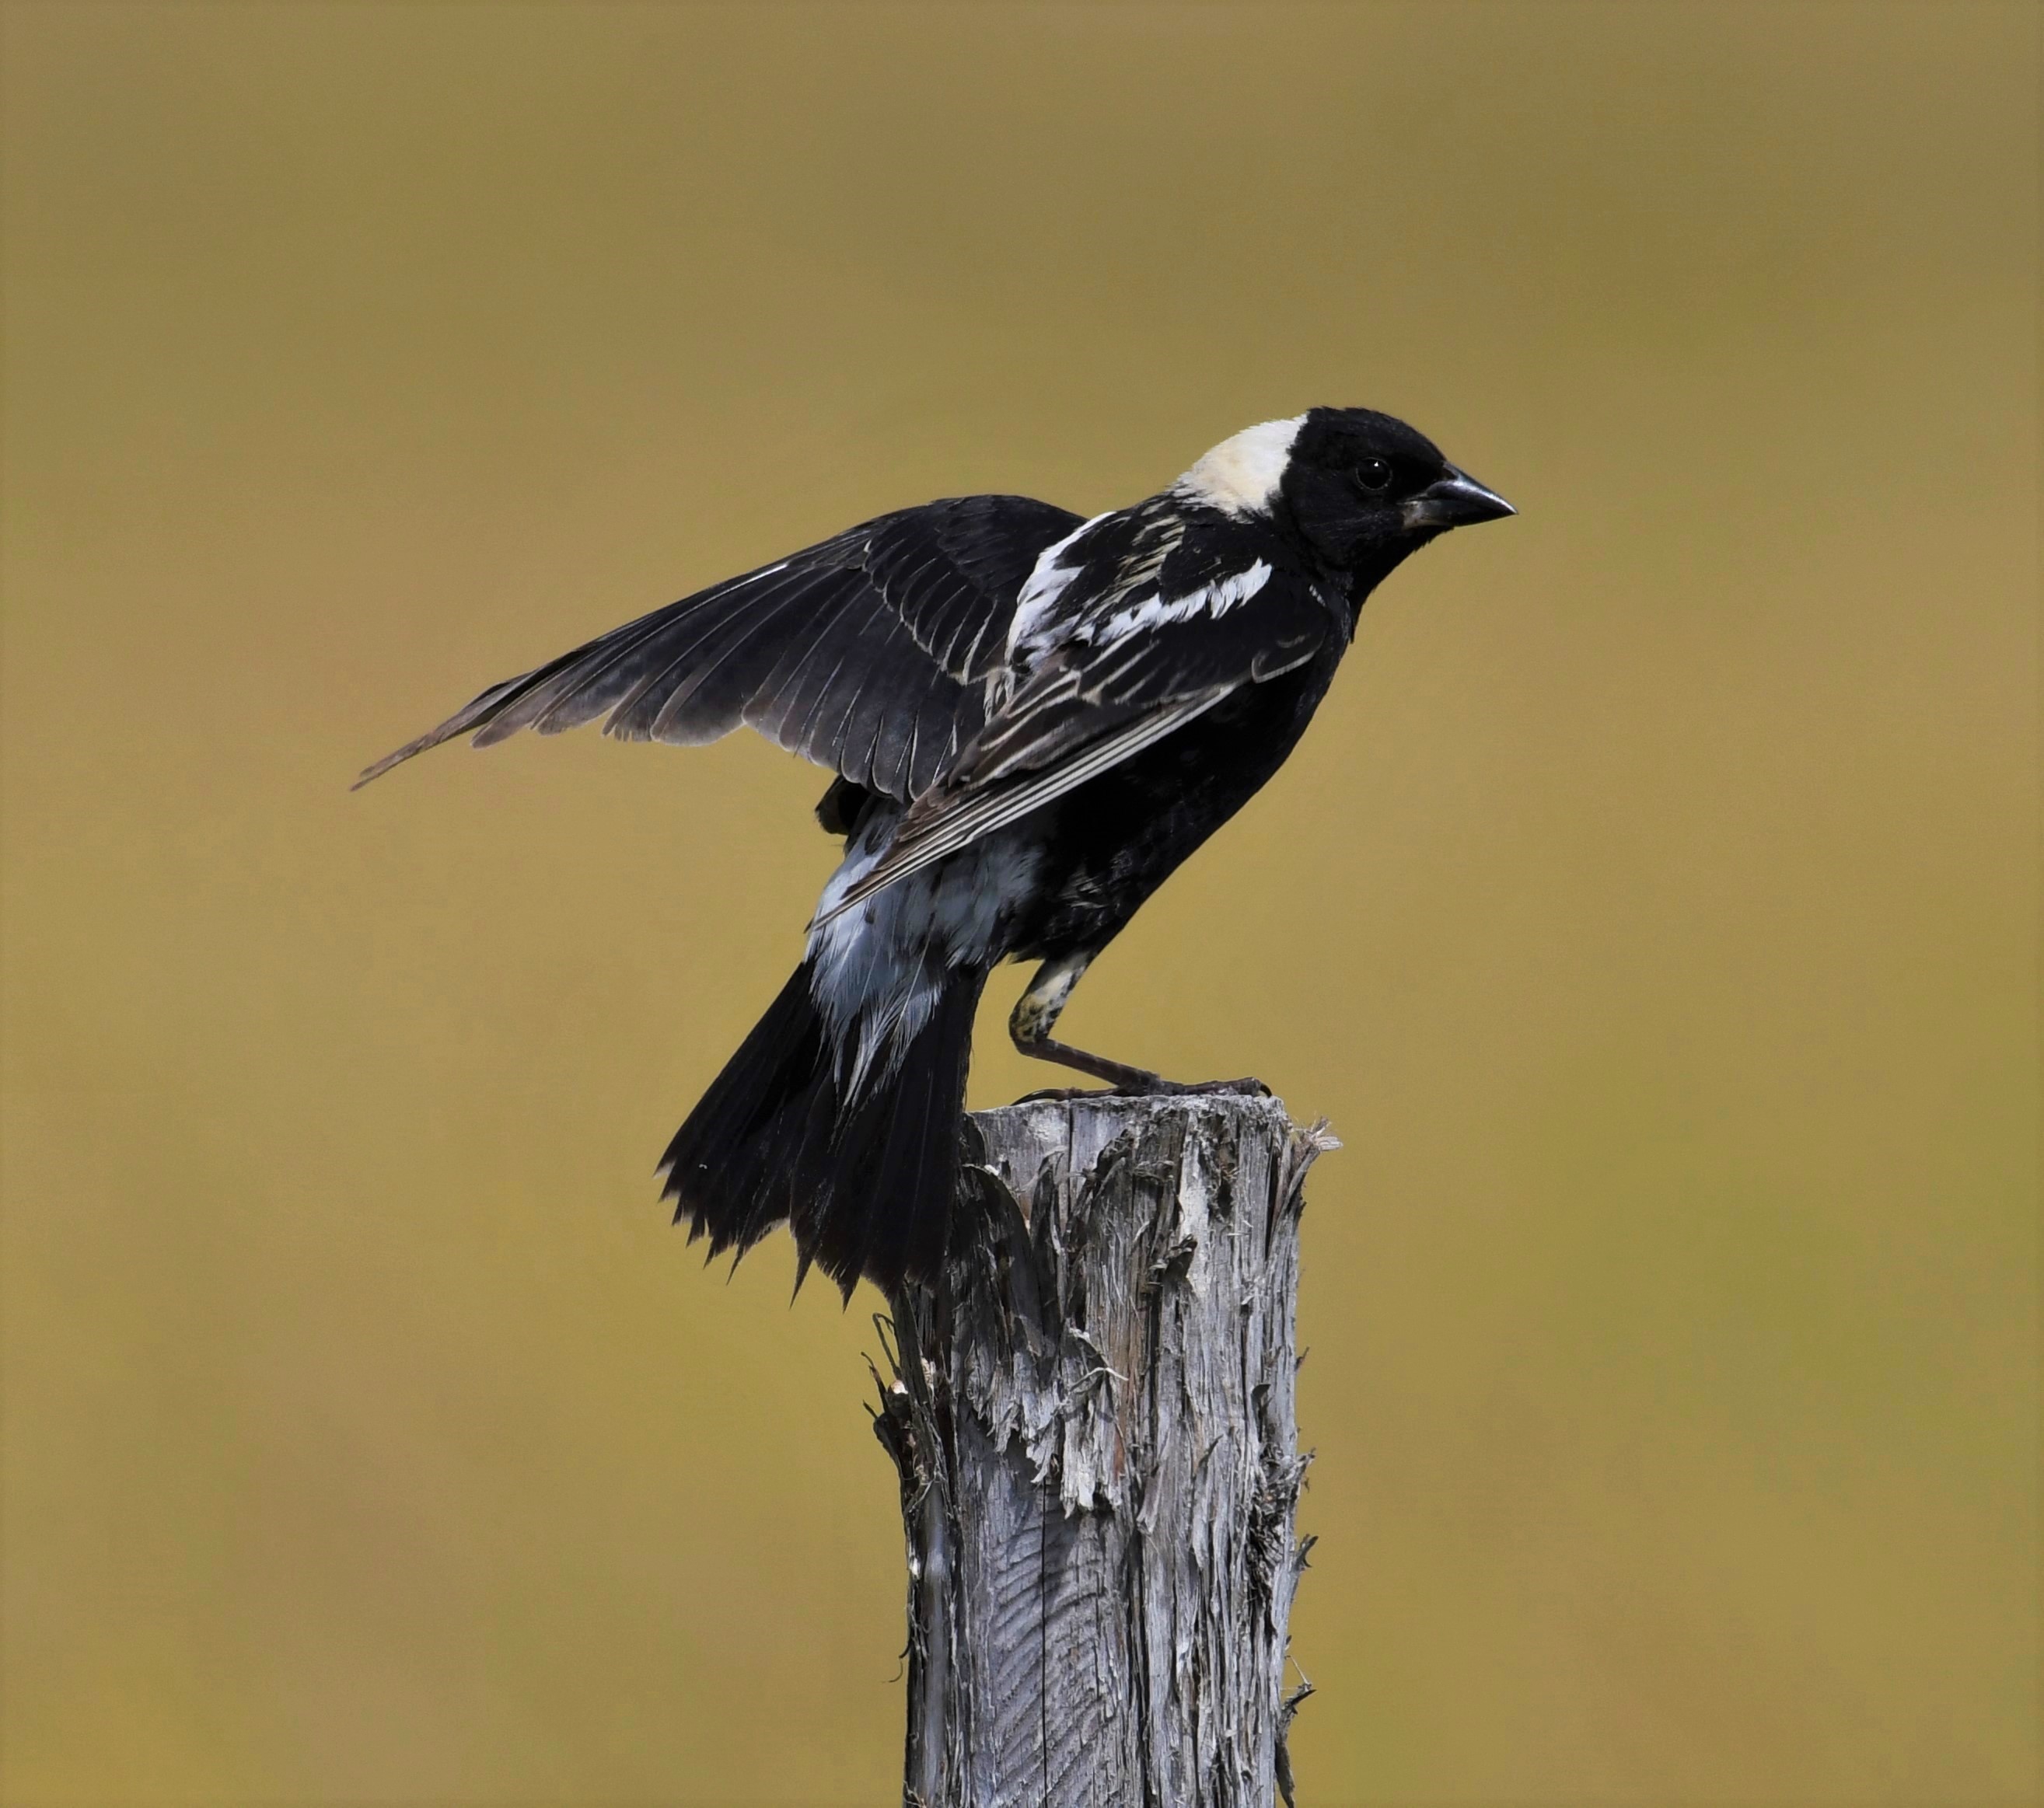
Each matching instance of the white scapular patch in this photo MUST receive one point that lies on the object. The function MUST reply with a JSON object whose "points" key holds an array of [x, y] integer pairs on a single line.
{"points": [[1214, 600], [1048, 581], [879, 968], [1240, 476]]}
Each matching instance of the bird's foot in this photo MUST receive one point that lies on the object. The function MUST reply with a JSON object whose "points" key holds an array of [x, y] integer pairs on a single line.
{"points": [[1247, 1087], [1150, 1086]]}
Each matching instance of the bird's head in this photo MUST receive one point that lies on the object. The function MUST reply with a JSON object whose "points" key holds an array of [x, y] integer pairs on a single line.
{"points": [[1362, 489]]}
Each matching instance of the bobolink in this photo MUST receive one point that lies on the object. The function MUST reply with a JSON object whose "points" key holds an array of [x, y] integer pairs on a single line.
{"points": [[1033, 718]]}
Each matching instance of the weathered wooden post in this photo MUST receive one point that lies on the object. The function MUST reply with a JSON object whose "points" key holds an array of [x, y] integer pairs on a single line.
{"points": [[1092, 1414]]}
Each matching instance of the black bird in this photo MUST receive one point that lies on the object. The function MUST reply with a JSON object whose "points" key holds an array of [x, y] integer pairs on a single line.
{"points": [[1033, 719]]}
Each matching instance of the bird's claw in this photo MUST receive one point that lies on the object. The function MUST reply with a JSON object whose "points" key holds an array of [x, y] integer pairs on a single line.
{"points": [[1247, 1087], [1152, 1086]]}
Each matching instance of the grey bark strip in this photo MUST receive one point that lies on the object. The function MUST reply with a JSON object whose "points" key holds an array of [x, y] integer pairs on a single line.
{"points": [[1092, 1415]]}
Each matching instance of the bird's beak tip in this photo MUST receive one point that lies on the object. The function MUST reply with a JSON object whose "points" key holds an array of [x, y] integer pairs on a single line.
{"points": [[1456, 501]]}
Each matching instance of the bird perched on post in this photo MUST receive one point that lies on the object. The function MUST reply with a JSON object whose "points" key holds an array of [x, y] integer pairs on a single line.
{"points": [[1033, 718]]}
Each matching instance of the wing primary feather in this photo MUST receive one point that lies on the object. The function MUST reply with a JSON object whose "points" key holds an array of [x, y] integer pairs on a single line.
{"points": [[829, 723], [637, 714], [812, 700], [579, 694], [873, 682], [477, 710], [909, 751], [785, 694], [556, 680], [695, 686], [566, 702]]}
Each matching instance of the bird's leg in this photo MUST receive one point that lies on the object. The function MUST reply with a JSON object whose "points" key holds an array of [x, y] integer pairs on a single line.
{"points": [[1036, 1014]]}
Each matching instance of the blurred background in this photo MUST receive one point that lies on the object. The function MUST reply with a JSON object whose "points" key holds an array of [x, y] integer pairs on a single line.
{"points": [[1651, 908]]}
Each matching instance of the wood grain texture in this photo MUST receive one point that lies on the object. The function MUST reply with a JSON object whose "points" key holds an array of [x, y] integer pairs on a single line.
{"points": [[1092, 1417]]}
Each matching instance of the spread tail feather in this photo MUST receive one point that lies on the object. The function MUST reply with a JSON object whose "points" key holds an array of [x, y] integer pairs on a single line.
{"points": [[866, 1175]]}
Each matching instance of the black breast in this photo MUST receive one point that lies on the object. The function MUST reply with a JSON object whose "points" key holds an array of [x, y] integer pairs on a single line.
{"points": [[1115, 839]]}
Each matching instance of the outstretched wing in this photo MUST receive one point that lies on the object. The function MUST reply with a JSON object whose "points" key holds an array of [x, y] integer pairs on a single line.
{"points": [[867, 653], [1104, 667]]}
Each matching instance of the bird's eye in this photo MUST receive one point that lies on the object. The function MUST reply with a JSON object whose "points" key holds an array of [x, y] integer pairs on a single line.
{"points": [[1373, 474]]}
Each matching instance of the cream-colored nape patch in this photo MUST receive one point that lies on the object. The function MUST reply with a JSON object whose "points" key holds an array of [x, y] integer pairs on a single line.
{"points": [[1241, 475]]}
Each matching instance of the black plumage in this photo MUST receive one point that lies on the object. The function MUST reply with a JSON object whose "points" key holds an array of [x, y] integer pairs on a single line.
{"points": [[1033, 721]]}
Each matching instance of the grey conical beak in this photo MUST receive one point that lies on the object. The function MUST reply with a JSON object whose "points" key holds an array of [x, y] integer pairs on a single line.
{"points": [[1455, 501]]}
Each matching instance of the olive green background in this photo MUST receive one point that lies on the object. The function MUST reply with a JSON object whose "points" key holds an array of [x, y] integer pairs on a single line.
{"points": [[1651, 909]]}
